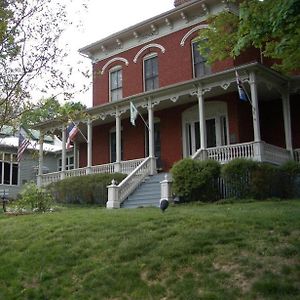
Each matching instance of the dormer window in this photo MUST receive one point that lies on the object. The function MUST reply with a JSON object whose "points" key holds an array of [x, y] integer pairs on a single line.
{"points": [[151, 72], [116, 84], [200, 65]]}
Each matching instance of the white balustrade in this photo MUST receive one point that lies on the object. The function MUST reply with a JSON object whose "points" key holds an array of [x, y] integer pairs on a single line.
{"points": [[128, 166], [274, 154], [76, 172], [106, 168], [225, 154], [50, 178], [118, 193], [259, 151]]}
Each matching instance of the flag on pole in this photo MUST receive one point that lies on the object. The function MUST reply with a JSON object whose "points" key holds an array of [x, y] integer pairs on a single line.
{"points": [[23, 144], [133, 113], [241, 89], [72, 131]]}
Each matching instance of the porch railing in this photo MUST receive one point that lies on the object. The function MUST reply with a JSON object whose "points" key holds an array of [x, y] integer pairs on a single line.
{"points": [[118, 193], [259, 151], [297, 155], [227, 153], [274, 154], [125, 167]]}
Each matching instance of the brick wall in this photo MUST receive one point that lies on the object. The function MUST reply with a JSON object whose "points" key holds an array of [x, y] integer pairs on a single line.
{"points": [[175, 65]]}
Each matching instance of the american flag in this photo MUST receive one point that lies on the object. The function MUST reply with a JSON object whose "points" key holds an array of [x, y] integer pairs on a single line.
{"points": [[72, 131], [23, 144]]}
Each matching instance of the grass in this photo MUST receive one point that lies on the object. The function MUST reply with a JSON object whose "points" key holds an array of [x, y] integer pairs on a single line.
{"points": [[230, 251]]}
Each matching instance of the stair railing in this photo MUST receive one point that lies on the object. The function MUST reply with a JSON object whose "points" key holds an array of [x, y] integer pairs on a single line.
{"points": [[118, 193]]}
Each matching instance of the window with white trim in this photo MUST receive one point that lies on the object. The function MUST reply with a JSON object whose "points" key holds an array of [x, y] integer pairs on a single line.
{"points": [[116, 83], [200, 66], [9, 168], [69, 163], [151, 81]]}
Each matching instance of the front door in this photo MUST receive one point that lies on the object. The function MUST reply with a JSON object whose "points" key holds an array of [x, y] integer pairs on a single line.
{"points": [[216, 134]]}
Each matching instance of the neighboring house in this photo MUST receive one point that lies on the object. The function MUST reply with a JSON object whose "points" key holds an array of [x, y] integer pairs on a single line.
{"points": [[14, 174], [191, 109]]}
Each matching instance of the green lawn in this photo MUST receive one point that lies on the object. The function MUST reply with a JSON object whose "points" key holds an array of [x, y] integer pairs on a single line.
{"points": [[232, 251]]}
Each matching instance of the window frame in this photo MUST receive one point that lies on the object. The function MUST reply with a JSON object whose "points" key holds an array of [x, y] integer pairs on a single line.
{"points": [[115, 69], [207, 68], [8, 161], [69, 166], [146, 58]]}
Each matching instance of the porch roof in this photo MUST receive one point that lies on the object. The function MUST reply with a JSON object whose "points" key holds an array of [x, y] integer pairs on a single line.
{"points": [[214, 84]]}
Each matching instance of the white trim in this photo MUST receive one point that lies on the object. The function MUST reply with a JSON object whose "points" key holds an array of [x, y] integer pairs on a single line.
{"points": [[213, 110], [114, 69], [163, 50], [146, 57], [124, 60], [185, 37]]}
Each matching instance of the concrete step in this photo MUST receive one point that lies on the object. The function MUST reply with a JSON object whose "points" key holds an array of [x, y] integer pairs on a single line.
{"points": [[147, 194]]}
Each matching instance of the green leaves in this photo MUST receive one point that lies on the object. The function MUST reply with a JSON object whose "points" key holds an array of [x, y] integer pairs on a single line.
{"points": [[270, 25]]}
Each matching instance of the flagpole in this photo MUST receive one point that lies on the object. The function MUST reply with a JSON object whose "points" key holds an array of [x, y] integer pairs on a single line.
{"points": [[244, 89], [144, 120], [80, 131]]}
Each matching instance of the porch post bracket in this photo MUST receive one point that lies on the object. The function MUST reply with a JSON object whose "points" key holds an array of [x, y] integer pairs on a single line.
{"points": [[174, 99], [200, 91]]}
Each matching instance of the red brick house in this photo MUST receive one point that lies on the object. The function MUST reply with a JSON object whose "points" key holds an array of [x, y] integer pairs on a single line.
{"points": [[190, 109]]}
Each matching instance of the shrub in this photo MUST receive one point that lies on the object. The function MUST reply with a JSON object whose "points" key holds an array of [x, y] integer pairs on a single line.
{"points": [[264, 181], [237, 175], [38, 199], [290, 179], [195, 180], [90, 189]]}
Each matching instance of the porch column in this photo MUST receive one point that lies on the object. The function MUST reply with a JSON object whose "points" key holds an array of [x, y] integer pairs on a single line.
{"points": [[287, 120], [41, 159], [151, 136], [63, 153], [118, 141], [202, 123], [75, 153], [255, 109], [89, 146]]}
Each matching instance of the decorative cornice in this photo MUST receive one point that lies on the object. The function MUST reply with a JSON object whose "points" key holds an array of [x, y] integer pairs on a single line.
{"points": [[163, 50], [198, 27], [121, 59]]}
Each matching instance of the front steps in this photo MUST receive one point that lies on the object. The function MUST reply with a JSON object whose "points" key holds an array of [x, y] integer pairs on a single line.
{"points": [[147, 194]]}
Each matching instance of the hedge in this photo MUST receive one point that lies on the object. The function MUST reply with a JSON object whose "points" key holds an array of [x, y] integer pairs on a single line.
{"points": [[90, 189]]}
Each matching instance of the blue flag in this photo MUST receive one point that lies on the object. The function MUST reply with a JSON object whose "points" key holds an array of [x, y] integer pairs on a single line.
{"points": [[241, 89]]}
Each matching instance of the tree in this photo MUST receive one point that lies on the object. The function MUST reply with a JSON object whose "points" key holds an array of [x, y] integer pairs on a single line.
{"points": [[273, 26], [29, 34], [49, 109]]}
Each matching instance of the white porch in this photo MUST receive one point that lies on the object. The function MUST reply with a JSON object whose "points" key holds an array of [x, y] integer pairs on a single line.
{"points": [[195, 134]]}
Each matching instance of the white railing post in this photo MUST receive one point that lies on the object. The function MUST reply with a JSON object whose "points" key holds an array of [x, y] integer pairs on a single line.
{"points": [[113, 195], [258, 149], [166, 189]]}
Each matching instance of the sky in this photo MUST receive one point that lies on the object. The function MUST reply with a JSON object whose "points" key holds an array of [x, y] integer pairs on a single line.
{"points": [[100, 19]]}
